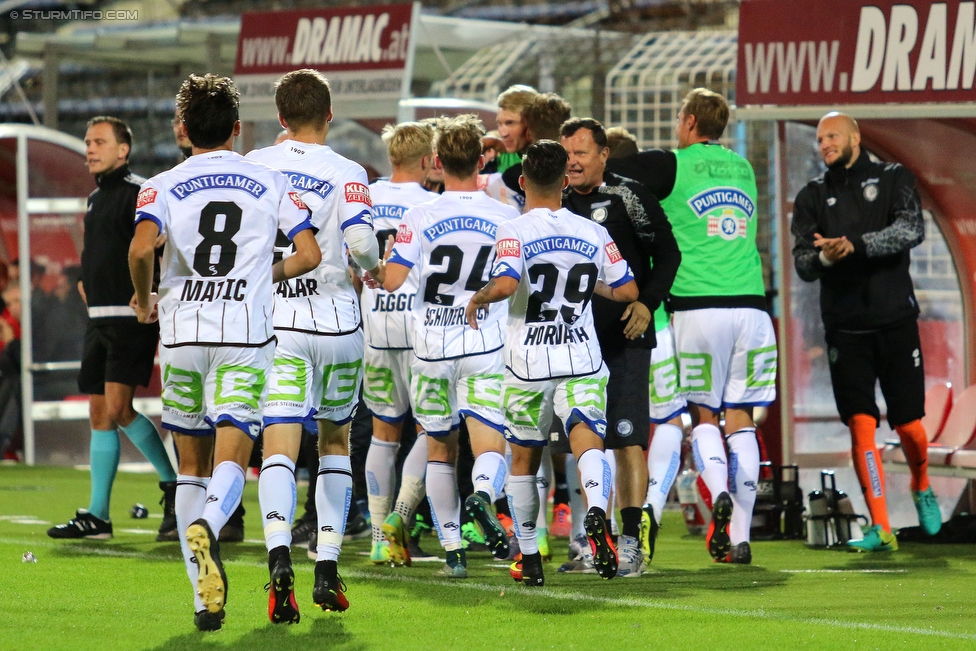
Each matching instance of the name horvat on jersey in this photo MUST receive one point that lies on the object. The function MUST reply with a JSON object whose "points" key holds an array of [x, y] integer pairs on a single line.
{"points": [[306, 183], [450, 316], [455, 224], [222, 181], [228, 289], [568, 244], [554, 335]]}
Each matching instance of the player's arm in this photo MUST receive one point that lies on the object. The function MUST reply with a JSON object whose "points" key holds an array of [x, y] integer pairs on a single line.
{"points": [[616, 281], [306, 257], [401, 255], [505, 275], [809, 257], [906, 225], [497, 289], [655, 169], [655, 241], [142, 254]]}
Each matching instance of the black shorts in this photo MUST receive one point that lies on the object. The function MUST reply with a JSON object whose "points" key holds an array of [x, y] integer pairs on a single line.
{"points": [[117, 350], [628, 409], [894, 357]]}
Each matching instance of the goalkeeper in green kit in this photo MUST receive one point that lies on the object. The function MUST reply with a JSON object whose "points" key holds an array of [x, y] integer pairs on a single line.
{"points": [[724, 338]]}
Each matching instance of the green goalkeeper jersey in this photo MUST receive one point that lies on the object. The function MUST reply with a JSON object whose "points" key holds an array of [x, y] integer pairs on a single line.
{"points": [[712, 210]]}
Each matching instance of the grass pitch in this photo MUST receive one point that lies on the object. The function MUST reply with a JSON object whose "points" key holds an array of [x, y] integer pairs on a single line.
{"points": [[132, 593]]}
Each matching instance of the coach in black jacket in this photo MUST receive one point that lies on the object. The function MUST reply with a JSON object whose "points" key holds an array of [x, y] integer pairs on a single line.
{"points": [[642, 233], [854, 227]]}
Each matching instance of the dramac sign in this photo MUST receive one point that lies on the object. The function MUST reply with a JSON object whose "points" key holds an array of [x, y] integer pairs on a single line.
{"points": [[844, 52], [365, 52]]}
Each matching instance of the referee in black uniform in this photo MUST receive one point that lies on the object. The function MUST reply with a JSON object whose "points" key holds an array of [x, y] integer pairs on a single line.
{"points": [[642, 232], [119, 351]]}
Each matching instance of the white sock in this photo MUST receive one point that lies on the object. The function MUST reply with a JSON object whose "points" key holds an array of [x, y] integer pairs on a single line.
{"points": [[412, 488], [543, 482], [488, 474], [380, 480], [277, 495], [709, 452], [445, 503], [663, 464], [223, 494], [743, 475], [596, 479], [191, 496], [611, 512], [523, 500], [577, 507], [333, 495]]}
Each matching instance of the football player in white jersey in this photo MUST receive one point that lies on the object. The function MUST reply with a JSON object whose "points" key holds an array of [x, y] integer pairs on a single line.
{"points": [[551, 262], [318, 364], [456, 371], [388, 322], [220, 214]]}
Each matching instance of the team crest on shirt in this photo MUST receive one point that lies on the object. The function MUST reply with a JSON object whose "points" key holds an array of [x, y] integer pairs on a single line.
{"points": [[404, 234], [728, 211], [871, 192], [145, 198], [510, 248], [599, 215], [613, 253], [297, 200], [358, 193]]}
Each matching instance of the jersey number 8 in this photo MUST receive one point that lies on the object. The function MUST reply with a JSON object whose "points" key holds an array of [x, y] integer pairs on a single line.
{"points": [[203, 262]]}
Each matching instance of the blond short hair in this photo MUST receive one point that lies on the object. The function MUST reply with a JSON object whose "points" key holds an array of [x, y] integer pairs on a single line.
{"points": [[408, 142], [517, 97], [458, 144]]}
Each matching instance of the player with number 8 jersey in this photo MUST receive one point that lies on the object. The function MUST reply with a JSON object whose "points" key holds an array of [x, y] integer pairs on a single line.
{"points": [[219, 213]]}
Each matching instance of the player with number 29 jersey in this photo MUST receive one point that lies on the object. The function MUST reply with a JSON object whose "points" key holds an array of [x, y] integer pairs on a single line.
{"points": [[215, 286], [452, 240], [336, 192], [560, 256]]}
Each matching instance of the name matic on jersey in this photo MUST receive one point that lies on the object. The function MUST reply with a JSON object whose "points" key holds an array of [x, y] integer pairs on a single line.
{"points": [[722, 198], [554, 335], [455, 224], [228, 289], [450, 316], [557, 243], [218, 181], [306, 183], [297, 288]]}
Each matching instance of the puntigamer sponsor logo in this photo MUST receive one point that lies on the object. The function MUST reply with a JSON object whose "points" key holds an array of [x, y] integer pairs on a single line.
{"points": [[218, 182], [715, 198], [455, 224], [567, 244], [306, 183]]}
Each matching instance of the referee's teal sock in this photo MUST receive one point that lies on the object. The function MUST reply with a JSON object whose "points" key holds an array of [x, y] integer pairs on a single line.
{"points": [[144, 436], [104, 459]]}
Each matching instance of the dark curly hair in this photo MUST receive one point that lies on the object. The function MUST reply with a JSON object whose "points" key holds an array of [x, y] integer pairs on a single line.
{"points": [[209, 107]]}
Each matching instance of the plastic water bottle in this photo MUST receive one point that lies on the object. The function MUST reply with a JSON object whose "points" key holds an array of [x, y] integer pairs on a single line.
{"points": [[697, 517]]}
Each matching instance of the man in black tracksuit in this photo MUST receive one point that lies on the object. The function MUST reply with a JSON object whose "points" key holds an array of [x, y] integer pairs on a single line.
{"points": [[854, 227], [639, 227], [118, 352]]}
